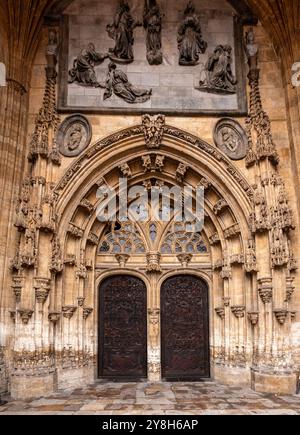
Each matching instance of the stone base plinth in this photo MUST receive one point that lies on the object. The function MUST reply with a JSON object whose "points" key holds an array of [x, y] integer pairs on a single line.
{"points": [[283, 384], [75, 378], [28, 387], [232, 375]]}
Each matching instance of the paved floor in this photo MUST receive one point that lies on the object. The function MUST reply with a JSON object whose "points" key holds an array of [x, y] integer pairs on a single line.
{"points": [[159, 399]]}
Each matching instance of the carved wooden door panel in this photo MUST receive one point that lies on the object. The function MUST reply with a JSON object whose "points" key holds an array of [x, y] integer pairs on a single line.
{"points": [[123, 329], [185, 329]]}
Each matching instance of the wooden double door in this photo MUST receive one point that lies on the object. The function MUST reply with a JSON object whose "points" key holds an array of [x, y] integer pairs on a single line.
{"points": [[184, 329]]}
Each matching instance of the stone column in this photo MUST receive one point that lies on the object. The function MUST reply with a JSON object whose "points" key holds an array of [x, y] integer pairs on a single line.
{"points": [[154, 344]]}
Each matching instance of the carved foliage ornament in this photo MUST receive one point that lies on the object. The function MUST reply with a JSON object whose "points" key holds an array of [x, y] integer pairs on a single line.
{"points": [[230, 137], [153, 127], [74, 135]]}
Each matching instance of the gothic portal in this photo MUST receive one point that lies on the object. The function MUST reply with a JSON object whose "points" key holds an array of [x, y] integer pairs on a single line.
{"points": [[140, 98]]}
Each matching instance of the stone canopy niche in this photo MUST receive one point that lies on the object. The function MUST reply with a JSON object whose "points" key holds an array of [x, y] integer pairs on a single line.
{"points": [[175, 57]]}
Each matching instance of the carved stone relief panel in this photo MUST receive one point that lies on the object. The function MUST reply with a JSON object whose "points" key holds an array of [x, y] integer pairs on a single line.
{"points": [[74, 135], [231, 138], [152, 56]]}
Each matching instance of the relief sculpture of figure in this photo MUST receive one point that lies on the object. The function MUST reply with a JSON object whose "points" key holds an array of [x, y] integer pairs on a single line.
{"points": [[153, 26], [190, 42], [83, 71], [218, 76], [117, 83], [121, 31]]}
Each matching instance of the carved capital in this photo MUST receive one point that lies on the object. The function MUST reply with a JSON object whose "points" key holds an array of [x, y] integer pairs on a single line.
{"points": [[147, 163], [253, 318], [93, 239], [87, 312], [122, 259], [125, 170], [290, 289], [75, 231], [13, 314], [238, 311], [226, 272], [265, 289], [153, 262], [181, 172], [220, 206], [70, 260], [68, 311], [205, 183], [185, 259], [54, 317], [42, 289], [232, 231], [237, 259], [281, 315], [220, 312], [218, 265], [25, 314], [214, 239], [17, 286], [159, 163], [85, 204]]}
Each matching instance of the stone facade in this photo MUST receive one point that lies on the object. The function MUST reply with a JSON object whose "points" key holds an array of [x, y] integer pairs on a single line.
{"points": [[50, 258]]}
